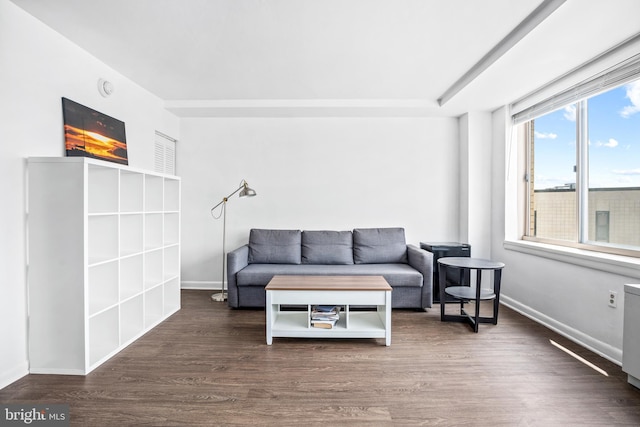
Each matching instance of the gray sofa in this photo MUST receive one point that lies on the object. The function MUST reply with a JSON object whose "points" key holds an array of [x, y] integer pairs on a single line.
{"points": [[363, 251]]}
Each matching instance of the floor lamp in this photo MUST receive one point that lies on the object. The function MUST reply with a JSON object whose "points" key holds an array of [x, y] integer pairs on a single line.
{"points": [[245, 191]]}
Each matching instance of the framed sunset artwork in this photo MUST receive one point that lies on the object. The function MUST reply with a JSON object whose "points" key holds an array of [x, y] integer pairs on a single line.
{"points": [[89, 133]]}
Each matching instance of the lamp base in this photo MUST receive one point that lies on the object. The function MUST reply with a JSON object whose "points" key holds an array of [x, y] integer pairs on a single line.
{"points": [[219, 297]]}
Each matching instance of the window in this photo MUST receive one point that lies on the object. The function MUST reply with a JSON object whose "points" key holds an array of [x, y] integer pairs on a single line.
{"points": [[584, 172]]}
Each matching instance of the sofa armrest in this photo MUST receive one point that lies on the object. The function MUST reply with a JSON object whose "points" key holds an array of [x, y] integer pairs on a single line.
{"points": [[422, 261], [236, 261]]}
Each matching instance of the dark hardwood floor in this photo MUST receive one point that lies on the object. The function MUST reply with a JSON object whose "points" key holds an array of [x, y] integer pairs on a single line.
{"points": [[209, 365]]}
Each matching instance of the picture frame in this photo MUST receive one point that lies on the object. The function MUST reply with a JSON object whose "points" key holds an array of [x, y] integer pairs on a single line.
{"points": [[89, 133]]}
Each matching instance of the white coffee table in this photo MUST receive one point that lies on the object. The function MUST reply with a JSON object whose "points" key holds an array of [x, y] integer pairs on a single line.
{"points": [[307, 291]]}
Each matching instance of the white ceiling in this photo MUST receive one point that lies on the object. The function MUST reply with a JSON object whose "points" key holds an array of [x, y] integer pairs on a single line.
{"points": [[334, 57]]}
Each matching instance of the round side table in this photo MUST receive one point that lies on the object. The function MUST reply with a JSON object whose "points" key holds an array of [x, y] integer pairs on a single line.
{"points": [[467, 294]]}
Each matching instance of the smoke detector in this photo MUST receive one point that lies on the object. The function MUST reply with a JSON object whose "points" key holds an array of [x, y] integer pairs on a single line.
{"points": [[105, 87]]}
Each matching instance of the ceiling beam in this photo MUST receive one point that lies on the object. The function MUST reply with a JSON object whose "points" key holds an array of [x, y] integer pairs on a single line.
{"points": [[546, 8]]}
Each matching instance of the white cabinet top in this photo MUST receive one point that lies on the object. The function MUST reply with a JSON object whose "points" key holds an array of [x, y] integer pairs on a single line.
{"points": [[96, 162], [632, 289]]}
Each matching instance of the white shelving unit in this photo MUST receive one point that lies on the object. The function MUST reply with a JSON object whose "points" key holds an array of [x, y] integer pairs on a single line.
{"points": [[104, 259]]}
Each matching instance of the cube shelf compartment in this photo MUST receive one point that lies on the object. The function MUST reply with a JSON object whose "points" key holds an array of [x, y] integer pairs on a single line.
{"points": [[171, 290], [131, 276], [171, 196], [117, 253], [103, 337], [103, 238], [131, 192], [171, 228], [153, 231], [153, 306], [153, 272], [131, 234], [171, 262], [131, 319], [103, 189], [103, 286], [154, 197]]}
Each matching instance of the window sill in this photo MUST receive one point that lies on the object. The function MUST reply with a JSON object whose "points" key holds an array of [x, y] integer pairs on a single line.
{"points": [[618, 264]]}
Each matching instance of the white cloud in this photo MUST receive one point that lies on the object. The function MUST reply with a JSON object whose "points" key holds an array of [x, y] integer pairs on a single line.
{"points": [[547, 135], [612, 143], [626, 171], [570, 112], [633, 94]]}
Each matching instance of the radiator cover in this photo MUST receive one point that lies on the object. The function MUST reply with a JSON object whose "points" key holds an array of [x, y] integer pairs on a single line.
{"points": [[631, 340]]}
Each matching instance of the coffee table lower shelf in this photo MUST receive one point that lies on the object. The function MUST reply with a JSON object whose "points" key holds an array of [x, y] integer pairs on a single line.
{"points": [[358, 324], [343, 291]]}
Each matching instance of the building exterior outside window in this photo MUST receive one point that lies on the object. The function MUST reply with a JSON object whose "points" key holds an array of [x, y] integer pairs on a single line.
{"points": [[613, 215]]}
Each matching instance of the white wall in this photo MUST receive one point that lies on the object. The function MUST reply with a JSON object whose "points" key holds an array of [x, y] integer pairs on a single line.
{"points": [[475, 182], [37, 68], [566, 290], [314, 173]]}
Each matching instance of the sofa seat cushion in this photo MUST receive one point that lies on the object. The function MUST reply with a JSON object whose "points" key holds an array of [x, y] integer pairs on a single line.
{"points": [[379, 245], [275, 246], [396, 274], [327, 247]]}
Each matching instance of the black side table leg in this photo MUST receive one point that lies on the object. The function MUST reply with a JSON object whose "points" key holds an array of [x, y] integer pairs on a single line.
{"points": [[478, 289], [497, 275], [442, 282]]}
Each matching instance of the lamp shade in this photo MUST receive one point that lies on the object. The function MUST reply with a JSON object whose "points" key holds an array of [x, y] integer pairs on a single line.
{"points": [[247, 191]]}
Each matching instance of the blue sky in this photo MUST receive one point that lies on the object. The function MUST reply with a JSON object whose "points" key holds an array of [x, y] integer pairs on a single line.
{"points": [[614, 141]]}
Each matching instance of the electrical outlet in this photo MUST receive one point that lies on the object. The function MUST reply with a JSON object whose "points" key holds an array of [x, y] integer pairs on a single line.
{"points": [[613, 299]]}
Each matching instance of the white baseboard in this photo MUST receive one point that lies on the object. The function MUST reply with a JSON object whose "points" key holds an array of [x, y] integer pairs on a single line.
{"points": [[202, 285], [13, 375], [600, 348]]}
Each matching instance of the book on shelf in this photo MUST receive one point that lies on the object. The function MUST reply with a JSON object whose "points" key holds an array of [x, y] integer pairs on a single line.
{"points": [[323, 324], [324, 312], [326, 308], [324, 316]]}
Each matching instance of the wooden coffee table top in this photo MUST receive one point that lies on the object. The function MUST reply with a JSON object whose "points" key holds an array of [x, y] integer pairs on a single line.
{"points": [[328, 283]]}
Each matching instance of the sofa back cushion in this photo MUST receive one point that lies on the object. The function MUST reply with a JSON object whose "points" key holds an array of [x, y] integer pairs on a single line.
{"points": [[274, 246], [327, 247], [379, 246]]}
